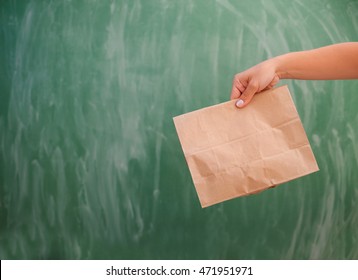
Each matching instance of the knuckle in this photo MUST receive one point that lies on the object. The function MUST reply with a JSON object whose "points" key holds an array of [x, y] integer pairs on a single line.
{"points": [[254, 85], [237, 77]]}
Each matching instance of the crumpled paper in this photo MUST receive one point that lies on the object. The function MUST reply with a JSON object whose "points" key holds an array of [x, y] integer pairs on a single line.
{"points": [[234, 152]]}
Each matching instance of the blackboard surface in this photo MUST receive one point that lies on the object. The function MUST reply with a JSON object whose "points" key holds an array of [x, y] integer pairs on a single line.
{"points": [[91, 166]]}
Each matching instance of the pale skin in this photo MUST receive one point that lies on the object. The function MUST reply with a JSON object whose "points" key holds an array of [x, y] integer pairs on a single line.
{"points": [[334, 62]]}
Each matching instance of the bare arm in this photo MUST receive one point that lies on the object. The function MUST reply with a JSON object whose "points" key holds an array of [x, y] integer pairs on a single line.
{"points": [[339, 61]]}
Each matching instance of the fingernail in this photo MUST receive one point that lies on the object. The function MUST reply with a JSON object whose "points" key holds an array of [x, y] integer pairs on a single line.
{"points": [[239, 103]]}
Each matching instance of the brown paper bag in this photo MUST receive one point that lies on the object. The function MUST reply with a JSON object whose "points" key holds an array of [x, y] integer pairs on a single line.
{"points": [[234, 152]]}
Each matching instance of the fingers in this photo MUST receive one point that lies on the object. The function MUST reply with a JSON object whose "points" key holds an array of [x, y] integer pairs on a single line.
{"points": [[235, 93], [244, 89], [237, 88], [247, 94]]}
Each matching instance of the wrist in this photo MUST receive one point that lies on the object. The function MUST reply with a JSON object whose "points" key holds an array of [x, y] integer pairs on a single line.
{"points": [[279, 64]]}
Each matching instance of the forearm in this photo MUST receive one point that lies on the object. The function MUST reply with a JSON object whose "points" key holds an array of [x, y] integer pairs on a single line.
{"points": [[339, 61]]}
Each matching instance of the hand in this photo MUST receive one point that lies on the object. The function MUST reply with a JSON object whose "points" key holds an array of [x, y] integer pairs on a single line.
{"points": [[257, 78]]}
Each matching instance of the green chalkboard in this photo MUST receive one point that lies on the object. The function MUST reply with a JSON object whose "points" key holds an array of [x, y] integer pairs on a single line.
{"points": [[90, 163]]}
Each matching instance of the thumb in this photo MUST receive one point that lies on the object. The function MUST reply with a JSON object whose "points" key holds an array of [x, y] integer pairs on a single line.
{"points": [[247, 95]]}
